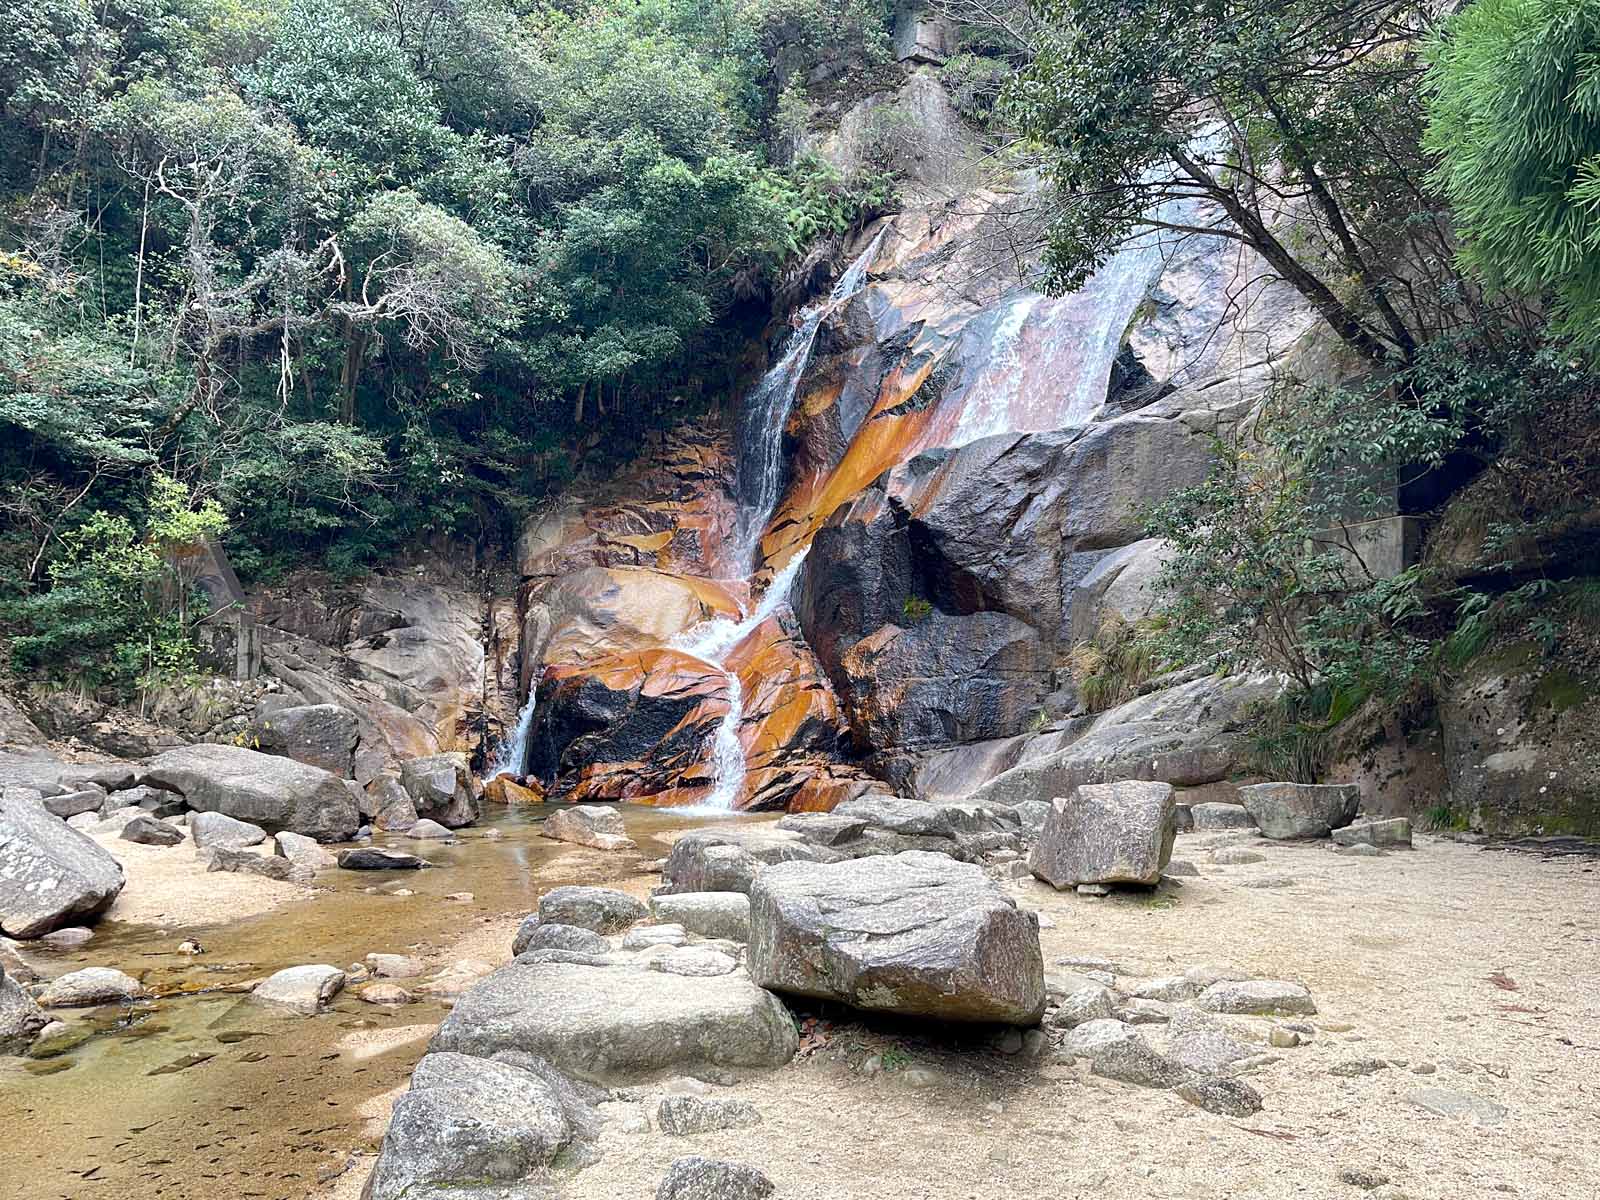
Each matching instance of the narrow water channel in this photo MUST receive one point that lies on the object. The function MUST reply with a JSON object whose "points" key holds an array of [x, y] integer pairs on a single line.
{"points": [[206, 1093]]}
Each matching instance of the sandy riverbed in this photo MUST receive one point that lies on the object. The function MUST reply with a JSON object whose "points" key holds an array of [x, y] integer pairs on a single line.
{"points": [[170, 887], [1401, 949]]}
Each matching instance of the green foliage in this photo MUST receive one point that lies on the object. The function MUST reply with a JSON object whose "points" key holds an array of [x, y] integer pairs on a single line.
{"points": [[1514, 116], [116, 611], [1142, 109], [1109, 669], [916, 608]]}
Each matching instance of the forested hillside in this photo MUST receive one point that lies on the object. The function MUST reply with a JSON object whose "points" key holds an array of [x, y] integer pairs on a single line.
{"points": [[362, 272]]}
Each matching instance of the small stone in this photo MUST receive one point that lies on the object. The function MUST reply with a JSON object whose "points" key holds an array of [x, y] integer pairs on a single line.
{"points": [[1283, 1039], [1335, 1026], [1355, 1067], [1359, 850], [1236, 856], [1144, 1012], [1182, 868], [303, 851], [534, 934], [707, 1179], [1117, 1051], [1211, 817], [1423, 1068], [90, 987], [370, 858], [1365, 1180], [385, 993], [1447, 1103], [1269, 881], [394, 966], [1093, 889], [305, 989], [1170, 988], [216, 829], [146, 830], [1035, 1044], [1008, 1041], [429, 830], [1393, 831], [1224, 1097], [1091, 1003], [70, 938], [684, 1115], [460, 897], [697, 961]]}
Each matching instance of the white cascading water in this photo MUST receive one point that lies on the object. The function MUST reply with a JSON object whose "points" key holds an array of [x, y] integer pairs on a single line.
{"points": [[513, 756]]}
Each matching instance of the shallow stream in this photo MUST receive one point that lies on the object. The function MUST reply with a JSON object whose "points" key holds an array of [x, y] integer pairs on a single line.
{"points": [[208, 1094]]}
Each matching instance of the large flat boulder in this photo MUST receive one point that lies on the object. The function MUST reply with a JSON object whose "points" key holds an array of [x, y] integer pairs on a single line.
{"points": [[465, 1124], [1301, 810], [51, 875], [597, 826], [915, 934], [1107, 833], [616, 1024], [263, 789]]}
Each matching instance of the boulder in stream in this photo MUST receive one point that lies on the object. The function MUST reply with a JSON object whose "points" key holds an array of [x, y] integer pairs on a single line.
{"points": [[21, 1018], [371, 858], [442, 788], [90, 987], [597, 826], [602, 910], [214, 829], [305, 989]]}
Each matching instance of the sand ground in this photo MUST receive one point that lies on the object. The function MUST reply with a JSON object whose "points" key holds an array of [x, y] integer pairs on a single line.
{"points": [[1481, 964], [167, 886]]}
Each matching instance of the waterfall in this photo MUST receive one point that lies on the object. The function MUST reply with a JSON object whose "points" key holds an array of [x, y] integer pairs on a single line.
{"points": [[710, 642], [513, 756], [761, 425]]}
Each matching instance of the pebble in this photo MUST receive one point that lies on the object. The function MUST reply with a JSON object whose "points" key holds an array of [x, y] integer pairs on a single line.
{"points": [[385, 993], [1236, 856], [1352, 1068], [1365, 1180], [1423, 1068], [1283, 1039], [1093, 889]]}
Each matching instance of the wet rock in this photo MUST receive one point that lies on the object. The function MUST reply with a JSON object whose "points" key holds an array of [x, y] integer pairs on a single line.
{"points": [[616, 1024], [706, 1179], [265, 789], [305, 989], [147, 831], [1118, 1051], [602, 910], [504, 789], [70, 804], [1447, 1103], [1257, 997], [441, 786], [468, 1125], [915, 934], [385, 993], [393, 809], [684, 1115], [90, 987], [51, 875], [370, 858], [1092, 1003], [1393, 832], [594, 825], [1236, 856], [694, 961], [537, 934], [21, 1018], [394, 966], [320, 735], [728, 860], [70, 938], [1107, 833], [427, 829], [707, 914], [1300, 810], [1225, 1097], [304, 852], [1209, 818], [642, 937]]}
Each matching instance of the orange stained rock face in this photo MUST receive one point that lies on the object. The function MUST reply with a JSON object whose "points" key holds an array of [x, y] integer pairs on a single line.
{"points": [[503, 789]]}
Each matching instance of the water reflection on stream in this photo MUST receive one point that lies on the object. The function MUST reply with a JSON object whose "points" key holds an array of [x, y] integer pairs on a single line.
{"points": [[213, 1095]]}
